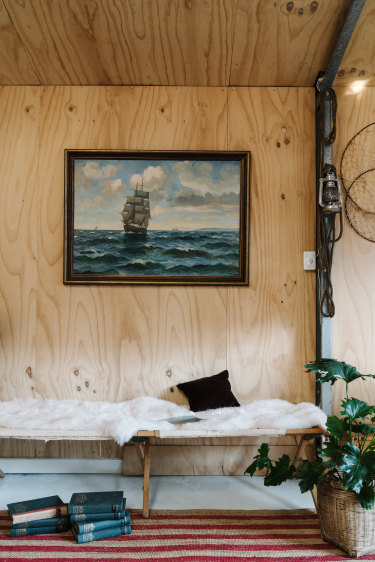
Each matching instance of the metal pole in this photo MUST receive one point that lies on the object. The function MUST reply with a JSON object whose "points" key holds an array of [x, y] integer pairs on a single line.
{"points": [[324, 81]]}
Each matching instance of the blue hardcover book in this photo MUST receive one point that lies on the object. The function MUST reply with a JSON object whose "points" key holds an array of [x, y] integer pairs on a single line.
{"points": [[40, 508], [102, 534], [88, 527], [79, 517], [96, 502], [48, 530], [52, 522], [82, 517]]}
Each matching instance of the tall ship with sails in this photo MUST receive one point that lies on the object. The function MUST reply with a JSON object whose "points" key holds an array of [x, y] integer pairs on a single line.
{"points": [[136, 212]]}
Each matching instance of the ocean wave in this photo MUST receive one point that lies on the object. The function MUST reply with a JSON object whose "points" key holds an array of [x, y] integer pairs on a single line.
{"points": [[184, 237], [219, 245], [145, 262], [174, 253], [217, 269], [229, 256], [177, 252], [101, 258]]}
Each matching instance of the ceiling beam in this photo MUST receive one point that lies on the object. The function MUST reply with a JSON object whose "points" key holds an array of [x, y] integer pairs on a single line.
{"points": [[326, 79]]}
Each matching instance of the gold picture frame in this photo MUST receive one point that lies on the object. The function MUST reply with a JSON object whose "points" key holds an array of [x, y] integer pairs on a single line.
{"points": [[157, 217]]}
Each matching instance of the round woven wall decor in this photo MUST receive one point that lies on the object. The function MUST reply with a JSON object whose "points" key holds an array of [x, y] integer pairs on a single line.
{"points": [[357, 170]]}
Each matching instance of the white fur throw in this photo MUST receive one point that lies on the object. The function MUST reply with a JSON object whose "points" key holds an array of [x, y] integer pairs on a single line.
{"points": [[122, 420]]}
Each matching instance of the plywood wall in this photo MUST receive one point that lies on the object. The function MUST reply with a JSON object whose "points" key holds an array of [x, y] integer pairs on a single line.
{"points": [[354, 264], [19, 150], [115, 343]]}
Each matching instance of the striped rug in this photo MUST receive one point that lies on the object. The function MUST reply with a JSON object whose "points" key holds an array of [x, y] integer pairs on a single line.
{"points": [[187, 536]]}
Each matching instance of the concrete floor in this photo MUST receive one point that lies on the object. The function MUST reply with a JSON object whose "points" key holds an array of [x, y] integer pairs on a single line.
{"points": [[166, 492]]}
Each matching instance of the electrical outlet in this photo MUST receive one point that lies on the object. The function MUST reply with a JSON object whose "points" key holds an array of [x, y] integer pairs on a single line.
{"points": [[309, 261]]}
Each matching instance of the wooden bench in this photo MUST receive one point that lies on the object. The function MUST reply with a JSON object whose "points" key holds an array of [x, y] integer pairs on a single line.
{"points": [[142, 443]]}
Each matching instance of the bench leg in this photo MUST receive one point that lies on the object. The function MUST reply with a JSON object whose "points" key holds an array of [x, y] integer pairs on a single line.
{"points": [[143, 452], [301, 453], [146, 479]]}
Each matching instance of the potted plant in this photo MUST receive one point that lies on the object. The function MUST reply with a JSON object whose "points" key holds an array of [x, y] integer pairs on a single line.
{"points": [[344, 470]]}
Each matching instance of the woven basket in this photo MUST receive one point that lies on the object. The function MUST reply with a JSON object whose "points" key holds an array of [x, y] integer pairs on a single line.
{"points": [[343, 522]]}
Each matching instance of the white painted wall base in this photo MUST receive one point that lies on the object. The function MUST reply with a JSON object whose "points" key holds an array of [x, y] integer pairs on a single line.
{"points": [[167, 492], [61, 466]]}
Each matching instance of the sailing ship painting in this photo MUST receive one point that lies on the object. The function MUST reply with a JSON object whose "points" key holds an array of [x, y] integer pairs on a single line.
{"points": [[136, 211], [156, 218]]}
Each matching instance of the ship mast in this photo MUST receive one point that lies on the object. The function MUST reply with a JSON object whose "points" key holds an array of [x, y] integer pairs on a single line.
{"points": [[136, 212]]}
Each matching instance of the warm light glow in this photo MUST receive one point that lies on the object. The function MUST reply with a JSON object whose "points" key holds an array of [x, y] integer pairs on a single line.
{"points": [[358, 86]]}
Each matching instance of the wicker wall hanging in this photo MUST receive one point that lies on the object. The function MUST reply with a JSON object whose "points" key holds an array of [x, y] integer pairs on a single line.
{"points": [[357, 171]]}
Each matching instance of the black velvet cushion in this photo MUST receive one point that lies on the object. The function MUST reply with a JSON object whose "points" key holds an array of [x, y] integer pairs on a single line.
{"points": [[209, 392]]}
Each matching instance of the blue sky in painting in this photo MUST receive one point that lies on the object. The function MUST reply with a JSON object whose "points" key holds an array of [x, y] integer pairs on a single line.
{"points": [[187, 195]]}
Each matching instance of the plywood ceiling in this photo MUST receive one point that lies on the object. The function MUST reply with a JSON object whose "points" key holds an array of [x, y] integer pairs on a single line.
{"points": [[179, 42]]}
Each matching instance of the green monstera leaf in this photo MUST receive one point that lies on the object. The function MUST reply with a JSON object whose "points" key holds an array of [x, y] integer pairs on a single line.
{"points": [[366, 496], [363, 428], [280, 472], [337, 427], [357, 468], [332, 370], [261, 460], [368, 459], [331, 453], [356, 409], [310, 474]]}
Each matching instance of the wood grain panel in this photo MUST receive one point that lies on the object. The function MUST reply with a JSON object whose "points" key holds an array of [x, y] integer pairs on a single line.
{"points": [[219, 459], [15, 65], [199, 461], [284, 43], [358, 63], [19, 128], [178, 42], [353, 265], [54, 449], [116, 343], [271, 323], [163, 42]]}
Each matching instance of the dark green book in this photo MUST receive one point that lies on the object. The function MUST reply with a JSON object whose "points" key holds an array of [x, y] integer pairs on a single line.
{"points": [[52, 522], [102, 534], [48, 530], [88, 527], [96, 502], [82, 517], [79, 517], [40, 508]]}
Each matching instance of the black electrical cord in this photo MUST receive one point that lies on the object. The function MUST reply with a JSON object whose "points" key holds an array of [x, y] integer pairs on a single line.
{"points": [[327, 222]]}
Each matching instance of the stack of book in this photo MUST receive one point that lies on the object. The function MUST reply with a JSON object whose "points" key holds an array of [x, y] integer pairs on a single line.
{"points": [[38, 517], [98, 515]]}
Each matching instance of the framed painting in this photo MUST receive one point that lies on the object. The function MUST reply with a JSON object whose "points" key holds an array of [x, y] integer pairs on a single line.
{"points": [[157, 217]]}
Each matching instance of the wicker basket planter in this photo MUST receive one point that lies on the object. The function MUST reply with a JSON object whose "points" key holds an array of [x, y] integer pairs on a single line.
{"points": [[343, 522]]}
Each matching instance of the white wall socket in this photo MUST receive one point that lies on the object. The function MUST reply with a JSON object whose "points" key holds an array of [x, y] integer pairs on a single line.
{"points": [[309, 261]]}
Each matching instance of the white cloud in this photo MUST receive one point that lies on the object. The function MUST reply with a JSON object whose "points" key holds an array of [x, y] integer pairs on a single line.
{"points": [[85, 174], [96, 202], [112, 186], [93, 170], [199, 177], [154, 178]]}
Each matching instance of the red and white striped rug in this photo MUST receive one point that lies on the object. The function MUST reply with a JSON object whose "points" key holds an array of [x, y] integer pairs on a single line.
{"points": [[187, 536]]}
